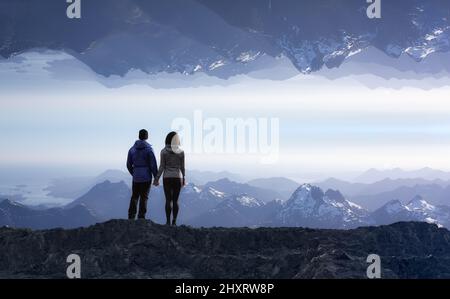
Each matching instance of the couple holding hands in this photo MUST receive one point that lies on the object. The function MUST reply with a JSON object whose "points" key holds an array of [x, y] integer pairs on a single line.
{"points": [[142, 165]]}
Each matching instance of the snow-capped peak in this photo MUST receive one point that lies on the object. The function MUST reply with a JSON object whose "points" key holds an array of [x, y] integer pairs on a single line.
{"points": [[417, 209], [310, 206], [249, 201], [305, 198], [419, 204]]}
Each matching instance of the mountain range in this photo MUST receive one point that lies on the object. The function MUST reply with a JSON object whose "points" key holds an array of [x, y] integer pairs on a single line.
{"points": [[435, 194], [226, 203], [13, 214], [107, 200], [110, 200], [372, 68], [208, 206], [371, 189], [417, 209], [309, 206], [237, 211], [374, 175], [74, 187], [230, 204], [262, 193], [352, 189], [267, 202], [218, 39], [374, 195]]}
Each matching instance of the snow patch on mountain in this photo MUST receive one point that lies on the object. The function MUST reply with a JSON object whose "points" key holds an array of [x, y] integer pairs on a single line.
{"points": [[310, 206], [215, 192], [418, 209], [419, 204], [249, 201]]}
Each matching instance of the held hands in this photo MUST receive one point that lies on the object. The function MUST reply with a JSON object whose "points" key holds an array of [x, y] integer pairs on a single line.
{"points": [[156, 183]]}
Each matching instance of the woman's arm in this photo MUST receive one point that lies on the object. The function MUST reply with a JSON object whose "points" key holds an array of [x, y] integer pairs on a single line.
{"points": [[162, 166], [183, 171]]}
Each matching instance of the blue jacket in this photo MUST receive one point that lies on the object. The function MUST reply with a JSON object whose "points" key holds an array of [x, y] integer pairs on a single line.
{"points": [[141, 162]]}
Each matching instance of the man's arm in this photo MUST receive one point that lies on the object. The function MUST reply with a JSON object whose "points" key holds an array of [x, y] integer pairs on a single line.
{"points": [[130, 163], [153, 164], [162, 165]]}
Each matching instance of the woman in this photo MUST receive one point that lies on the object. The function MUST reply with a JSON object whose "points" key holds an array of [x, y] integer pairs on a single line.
{"points": [[172, 165]]}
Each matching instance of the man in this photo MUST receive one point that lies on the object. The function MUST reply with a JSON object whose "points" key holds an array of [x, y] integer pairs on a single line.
{"points": [[141, 164]]}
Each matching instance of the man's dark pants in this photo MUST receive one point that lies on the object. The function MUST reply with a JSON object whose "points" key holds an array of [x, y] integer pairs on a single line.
{"points": [[140, 193]]}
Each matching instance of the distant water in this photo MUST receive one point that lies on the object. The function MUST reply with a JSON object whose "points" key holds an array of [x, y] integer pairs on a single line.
{"points": [[32, 193], [26, 184]]}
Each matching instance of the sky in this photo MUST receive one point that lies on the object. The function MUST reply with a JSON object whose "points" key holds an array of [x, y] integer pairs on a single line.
{"points": [[62, 115]]}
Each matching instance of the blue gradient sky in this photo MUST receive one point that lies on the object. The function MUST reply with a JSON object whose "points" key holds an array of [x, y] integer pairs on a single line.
{"points": [[65, 117]]}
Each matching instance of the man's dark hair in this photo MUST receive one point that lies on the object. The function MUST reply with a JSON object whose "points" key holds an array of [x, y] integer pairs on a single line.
{"points": [[143, 134]]}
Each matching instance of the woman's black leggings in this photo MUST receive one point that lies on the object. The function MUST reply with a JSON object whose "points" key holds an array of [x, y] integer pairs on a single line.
{"points": [[172, 187]]}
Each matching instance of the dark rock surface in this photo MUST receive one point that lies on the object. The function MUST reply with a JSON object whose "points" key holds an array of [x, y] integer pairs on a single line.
{"points": [[142, 249]]}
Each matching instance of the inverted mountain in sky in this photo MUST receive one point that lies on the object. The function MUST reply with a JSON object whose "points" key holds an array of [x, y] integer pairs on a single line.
{"points": [[220, 38]]}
